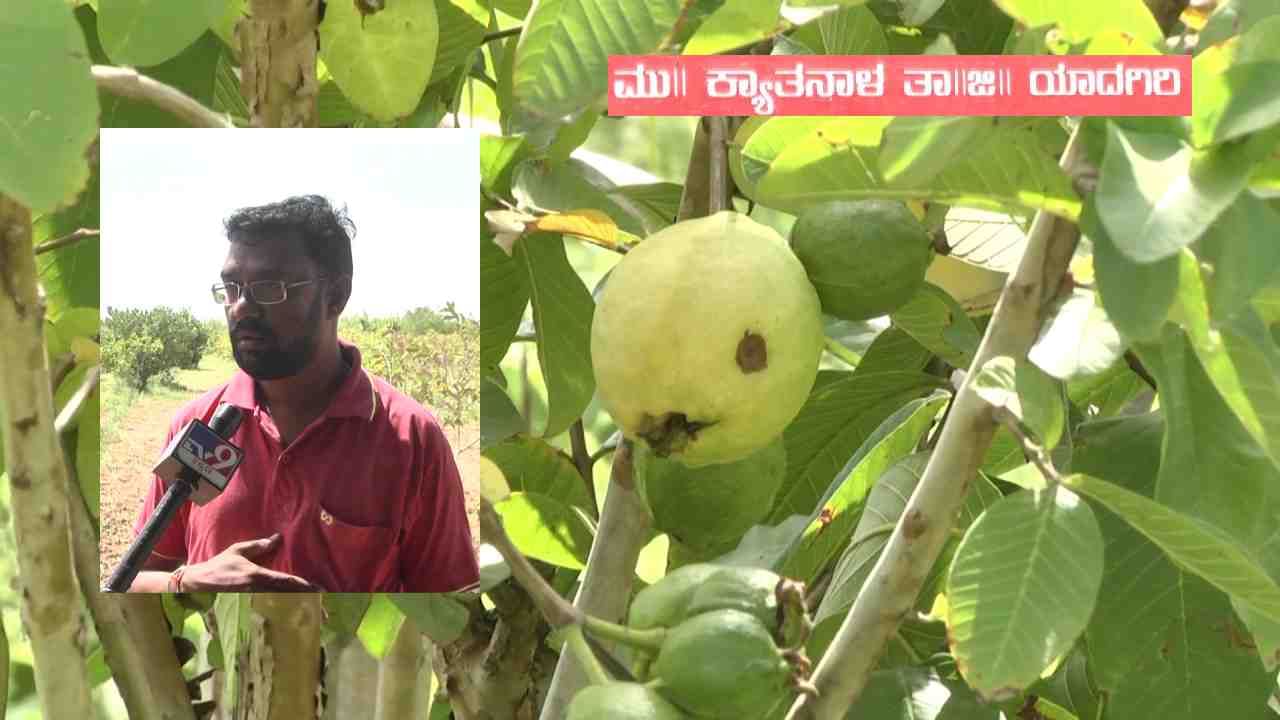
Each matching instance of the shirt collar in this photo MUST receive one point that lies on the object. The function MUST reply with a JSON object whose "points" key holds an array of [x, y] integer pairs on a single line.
{"points": [[356, 397]]}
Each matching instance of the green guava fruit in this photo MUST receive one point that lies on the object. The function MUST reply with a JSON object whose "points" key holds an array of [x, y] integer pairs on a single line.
{"points": [[709, 506], [722, 664], [749, 590], [621, 701], [666, 602], [706, 339], [866, 258]]}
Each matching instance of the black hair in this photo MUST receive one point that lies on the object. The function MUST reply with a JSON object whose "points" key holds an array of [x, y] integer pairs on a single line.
{"points": [[325, 230]]}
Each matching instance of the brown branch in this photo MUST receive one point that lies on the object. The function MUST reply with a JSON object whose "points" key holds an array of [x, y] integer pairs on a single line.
{"points": [[500, 34], [127, 82], [583, 461], [75, 237], [1131, 358], [557, 611], [77, 400], [1031, 449], [278, 47]]}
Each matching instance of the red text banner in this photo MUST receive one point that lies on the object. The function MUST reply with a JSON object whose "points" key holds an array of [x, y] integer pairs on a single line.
{"points": [[1010, 85]]}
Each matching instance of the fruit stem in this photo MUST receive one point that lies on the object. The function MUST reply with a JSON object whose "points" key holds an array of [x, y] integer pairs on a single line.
{"points": [[591, 667], [650, 640]]}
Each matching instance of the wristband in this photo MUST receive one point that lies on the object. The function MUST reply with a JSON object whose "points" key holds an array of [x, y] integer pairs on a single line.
{"points": [[175, 579]]}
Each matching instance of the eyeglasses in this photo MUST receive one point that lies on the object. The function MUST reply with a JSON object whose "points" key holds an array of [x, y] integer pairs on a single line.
{"points": [[262, 292]]}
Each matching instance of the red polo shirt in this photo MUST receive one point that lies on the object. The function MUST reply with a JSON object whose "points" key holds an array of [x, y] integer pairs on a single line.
{"points": [[367, 498]]}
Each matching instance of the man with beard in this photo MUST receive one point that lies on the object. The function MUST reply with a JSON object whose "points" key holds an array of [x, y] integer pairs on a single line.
{"points": [[347, 485]]}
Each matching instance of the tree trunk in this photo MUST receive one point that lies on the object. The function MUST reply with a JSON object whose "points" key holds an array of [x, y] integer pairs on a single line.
{"points": [[351, 680], [404, 677], [52, 609], [280, 661], [278, 47]]}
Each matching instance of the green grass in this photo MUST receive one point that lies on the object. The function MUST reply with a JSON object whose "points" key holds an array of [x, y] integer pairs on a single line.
{"points": [[118, 397]]}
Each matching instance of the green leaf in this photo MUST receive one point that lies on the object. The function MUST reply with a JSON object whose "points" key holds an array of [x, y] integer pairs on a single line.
{"points": [[1070, 688], [381, 623], [1237, 101], [881, 512], [148, 32], [835, 158], [909, 693], [1108, 391], [532, 465], [572, 185], [221, 16], [562, 310], [1026, 391], [562, 60], [1078, 339], [1022, 587], [498, 158], [1233, 17], [1082, 20], [462, 24], [935, 320], [977, 27], [1156, 195], [913, 150], [893, 349], [847, 31], [70, 273], [1188, 542], [232, 613], [843, 503], [51, 107], [1159, 639], [736, 24], [504, 294], [439, 617], [380, 60], [499, 418], [833, 423], [88, 437], [546, 529], [1137, 296], [1241, 361], [345, 611], [1242, 256]]}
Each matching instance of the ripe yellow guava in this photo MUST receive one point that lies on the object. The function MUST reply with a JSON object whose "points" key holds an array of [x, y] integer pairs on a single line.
{"points": [[706, 339]]}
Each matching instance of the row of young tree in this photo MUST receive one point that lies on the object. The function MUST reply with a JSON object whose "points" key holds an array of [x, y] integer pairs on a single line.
{"points": [[141, 345]]}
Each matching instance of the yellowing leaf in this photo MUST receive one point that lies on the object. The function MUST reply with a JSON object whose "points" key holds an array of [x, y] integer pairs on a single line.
{"points": [[591, 224]]}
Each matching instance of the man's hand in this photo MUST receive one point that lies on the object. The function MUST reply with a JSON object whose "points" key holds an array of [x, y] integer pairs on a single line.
{"points": [[233, 569]]}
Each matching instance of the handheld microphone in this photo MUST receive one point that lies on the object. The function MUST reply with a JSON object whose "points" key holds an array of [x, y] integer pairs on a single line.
{"points": [[197, 464]]}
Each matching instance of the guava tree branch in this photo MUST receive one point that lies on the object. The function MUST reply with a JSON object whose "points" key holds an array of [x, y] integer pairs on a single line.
{"points": [[278, 47], [127, 82], [65, 240], [51, 604], [890, 592], [611, 567]]}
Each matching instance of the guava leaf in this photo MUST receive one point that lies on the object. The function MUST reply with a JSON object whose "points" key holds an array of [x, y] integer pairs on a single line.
{"points": [[1022, 587], [977, 27], [562, 60], [919, 694], [1243, 255], [1156, 194], [1137, 296], [504, 294], [499, 418], [1233, 17], [571, 185], [544, 528], [1023, 389], [69, 274], [915, 149], [345, 611], [533, 465], [1108, 391], [1082, 20], [847, 31], [893, 349], [381, 61], [51, 107], [148, 32], [1078, 339], [843, 502], [88, 439], [498, 159], [935, 320], [381, 622], [437, 616], [833, 423], [562, 310], [462, 24], [221, 17], [736, 24]]}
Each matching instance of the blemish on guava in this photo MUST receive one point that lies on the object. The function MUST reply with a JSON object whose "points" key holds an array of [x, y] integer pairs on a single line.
{"points": [[753, 355], [669, 433]]}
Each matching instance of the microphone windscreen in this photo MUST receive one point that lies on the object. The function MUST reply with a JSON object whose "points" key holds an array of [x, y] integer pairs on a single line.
{"points": [[226, 419]]}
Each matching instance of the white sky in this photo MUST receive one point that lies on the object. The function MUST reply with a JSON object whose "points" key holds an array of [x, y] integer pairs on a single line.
{"points": [[412, 195]]}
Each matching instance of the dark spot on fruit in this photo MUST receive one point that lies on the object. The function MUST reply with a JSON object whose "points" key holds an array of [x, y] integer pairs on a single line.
{"points": [[669, 433], [752, 353]]}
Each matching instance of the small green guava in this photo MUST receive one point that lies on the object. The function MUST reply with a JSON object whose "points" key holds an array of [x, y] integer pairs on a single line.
{"points": [[707, 507], [706, 339], [621, 701]]}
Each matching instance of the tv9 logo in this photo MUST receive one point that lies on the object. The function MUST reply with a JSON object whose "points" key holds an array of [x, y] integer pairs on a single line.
{"points": [[208, 454]]}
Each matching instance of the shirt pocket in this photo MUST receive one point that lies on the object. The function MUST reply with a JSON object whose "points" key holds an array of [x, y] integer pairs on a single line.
{"points": [[361, 558]]}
